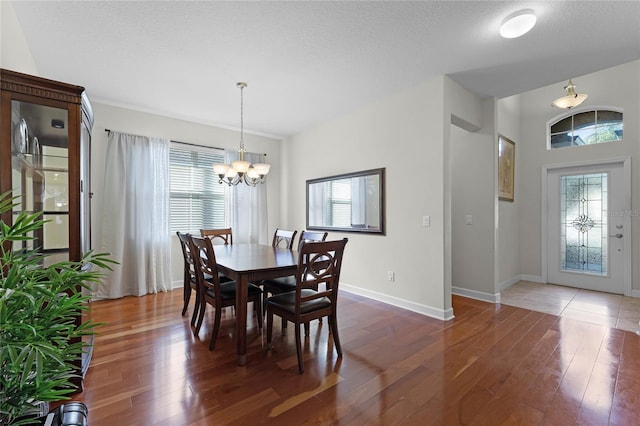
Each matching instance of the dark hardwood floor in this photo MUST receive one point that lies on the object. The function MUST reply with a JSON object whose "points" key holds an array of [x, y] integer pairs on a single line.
{"points": [[491, 365]]}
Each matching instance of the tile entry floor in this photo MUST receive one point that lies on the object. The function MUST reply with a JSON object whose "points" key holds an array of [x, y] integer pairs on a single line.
{"points": [[613, 310]]}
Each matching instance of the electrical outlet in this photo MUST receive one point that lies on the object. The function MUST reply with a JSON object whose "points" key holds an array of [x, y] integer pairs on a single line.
{"points": [[391, 276]]}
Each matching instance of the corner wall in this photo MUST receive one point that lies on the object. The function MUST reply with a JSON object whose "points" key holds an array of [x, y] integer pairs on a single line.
{"points": [[472, 159], [473, 197], [508, 258]]}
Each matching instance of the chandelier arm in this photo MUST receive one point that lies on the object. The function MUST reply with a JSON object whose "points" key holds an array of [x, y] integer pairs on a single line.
{"points": [[250, 181]]}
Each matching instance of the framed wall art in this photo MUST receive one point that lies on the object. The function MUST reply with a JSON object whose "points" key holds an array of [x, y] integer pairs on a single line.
{"points": [[506, 168]]}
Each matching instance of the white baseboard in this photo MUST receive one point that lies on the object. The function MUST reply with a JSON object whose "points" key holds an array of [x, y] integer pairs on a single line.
{"points": [[429, 311], [522, 277], [635, 293], [532, 278], [495, 297], [508, 283], [478, 295], [502, 286]]}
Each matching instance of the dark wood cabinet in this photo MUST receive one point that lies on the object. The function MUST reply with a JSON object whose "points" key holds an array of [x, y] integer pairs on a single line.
{"points": [[45, 136]]}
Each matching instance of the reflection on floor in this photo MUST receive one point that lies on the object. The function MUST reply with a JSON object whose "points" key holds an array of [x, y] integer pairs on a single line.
{"points": [[613, 310]]}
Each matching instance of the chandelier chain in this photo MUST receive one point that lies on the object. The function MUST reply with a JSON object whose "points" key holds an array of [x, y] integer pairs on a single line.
{"points": [[242, 86]]}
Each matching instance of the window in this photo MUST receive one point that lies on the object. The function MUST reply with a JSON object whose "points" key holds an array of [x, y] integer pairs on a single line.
{"points": [[196, 199], [586, 128]]}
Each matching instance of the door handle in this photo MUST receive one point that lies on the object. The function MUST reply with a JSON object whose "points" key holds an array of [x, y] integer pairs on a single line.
{"points": [[616, 236]]}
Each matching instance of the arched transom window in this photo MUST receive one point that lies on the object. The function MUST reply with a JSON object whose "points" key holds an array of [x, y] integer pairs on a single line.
{"points": [[585, 128]]}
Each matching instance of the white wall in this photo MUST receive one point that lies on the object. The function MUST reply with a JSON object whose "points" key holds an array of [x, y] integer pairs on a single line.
{"points": [[508, 258], [139, 123], [618, 86], [15, 53], [473, 193], [403, 133]]}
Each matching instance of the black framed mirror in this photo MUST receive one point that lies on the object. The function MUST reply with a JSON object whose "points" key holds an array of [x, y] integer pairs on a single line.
{"points": [[351, 202]]}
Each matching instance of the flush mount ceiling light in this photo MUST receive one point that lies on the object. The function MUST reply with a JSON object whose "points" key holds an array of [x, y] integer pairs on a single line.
{"points": [[572, 99], [518, 23], [241, 170]]}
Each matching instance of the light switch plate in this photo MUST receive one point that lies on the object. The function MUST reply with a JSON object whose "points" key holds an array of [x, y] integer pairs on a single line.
{"points": [[426, 220], [468, 219]]}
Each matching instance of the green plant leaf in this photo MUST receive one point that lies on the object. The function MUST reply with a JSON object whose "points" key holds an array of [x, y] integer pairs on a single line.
{"points": [[39, 335]]}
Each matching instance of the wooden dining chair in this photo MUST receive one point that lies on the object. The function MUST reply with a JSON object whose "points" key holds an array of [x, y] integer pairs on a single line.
{"points": [[283, 238], [225, 236], [284, 284], [189, 276], [316, 292], [216, 293]]}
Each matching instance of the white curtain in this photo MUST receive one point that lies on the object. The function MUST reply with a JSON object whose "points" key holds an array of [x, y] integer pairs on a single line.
{"points": [[248, 206], [135, 217]]}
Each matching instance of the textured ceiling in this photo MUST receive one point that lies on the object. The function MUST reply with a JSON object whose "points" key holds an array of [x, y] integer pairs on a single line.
{"points": [[306, 62]]}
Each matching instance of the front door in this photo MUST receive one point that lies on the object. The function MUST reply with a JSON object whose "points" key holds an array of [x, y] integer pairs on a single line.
{"points": [[586, 219]]}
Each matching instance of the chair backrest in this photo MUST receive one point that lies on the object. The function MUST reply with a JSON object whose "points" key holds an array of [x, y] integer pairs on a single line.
{"points": [[283, 238], [205, 263], [319, 262], [312, 236], [223, 234], [189, 267]]}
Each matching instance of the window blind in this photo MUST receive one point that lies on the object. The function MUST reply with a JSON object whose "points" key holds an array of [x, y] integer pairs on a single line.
{"points": [[197, 200]]}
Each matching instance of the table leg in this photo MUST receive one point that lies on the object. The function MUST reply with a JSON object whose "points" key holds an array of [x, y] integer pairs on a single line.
{"points": [[242, 284]]}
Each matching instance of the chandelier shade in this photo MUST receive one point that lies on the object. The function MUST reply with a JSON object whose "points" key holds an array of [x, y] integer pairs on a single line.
{"points": [[241, 170], [572, 99]]}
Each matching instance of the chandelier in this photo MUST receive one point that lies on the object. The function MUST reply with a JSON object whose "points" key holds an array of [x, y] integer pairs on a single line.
{"points": [[572, 99], [241, 170]]}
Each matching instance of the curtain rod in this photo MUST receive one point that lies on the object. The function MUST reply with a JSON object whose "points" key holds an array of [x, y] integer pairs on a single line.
{"points": [[191, 144]]}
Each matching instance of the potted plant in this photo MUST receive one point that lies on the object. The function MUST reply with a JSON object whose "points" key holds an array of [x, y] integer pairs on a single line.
{"points": [[39, 334]]}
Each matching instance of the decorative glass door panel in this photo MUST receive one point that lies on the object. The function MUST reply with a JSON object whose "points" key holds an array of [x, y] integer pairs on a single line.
{"points": [[584, 223], [587, 225]]}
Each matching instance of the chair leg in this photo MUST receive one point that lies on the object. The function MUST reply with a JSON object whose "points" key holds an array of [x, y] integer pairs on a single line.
{"points": [[265, 295], [299, 349], [196, 308], [203, 306], [216, 329], [306, 328], [186, 295], [269, 327], [334, 332], [283, 327], [257, 307]]}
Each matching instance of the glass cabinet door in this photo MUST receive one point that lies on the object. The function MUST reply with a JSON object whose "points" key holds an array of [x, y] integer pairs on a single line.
{"points": [[40, 174]]}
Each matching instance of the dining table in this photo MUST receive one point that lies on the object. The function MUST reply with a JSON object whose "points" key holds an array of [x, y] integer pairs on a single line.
{"points": [[247, 263]]}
